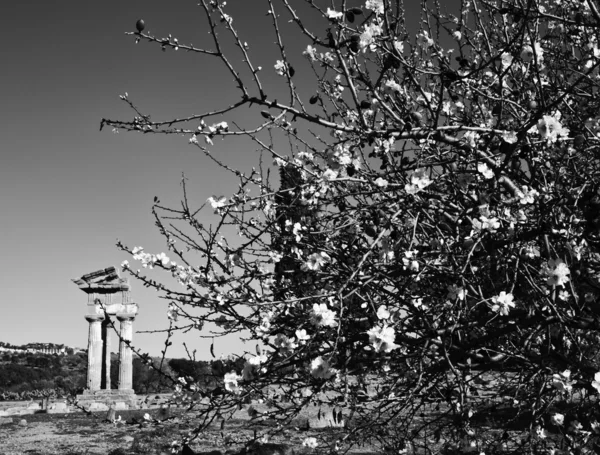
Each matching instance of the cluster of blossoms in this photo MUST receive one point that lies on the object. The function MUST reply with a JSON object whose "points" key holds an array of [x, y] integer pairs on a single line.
{"points": [[315, 261], [485, 170], [419, 185], [382, 338], [186, 276], [217, 203], [312, 54], [550, 128], [322, 316], [562, 381], [419, 180], [527, 195], [321, 369], [149, 260], [231, 382], [281, 68], [370, 33], [253, 366], [376, 6], [484, 223], [557, 272]]}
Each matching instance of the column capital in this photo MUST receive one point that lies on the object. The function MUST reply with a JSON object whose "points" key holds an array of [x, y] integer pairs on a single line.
{"points": [[94, 317], [126, 316]]}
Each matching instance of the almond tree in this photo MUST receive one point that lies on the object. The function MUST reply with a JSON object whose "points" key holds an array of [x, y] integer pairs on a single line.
{"points": [[432, 254]]}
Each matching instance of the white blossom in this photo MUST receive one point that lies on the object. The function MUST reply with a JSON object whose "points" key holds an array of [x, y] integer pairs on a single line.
{"points": [[316, 261], [280, 68], [527, 196], [557, 272], [424, 40], [392, 86], [302, 336], [562, 381], [485, 223], [596, 382], [419, 180], [399, 46], [322, 316], [310, 52], [502, 303], [231, 382], [558, 419], [549, 128], [332, 14], [383, 312], [382, 183], [507, 59], [375, 5], [382, 338], [367, 38], [485, 170], [217, 202], [321, 369]]}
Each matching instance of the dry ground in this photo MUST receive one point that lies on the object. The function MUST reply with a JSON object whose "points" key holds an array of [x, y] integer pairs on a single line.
{"points": [[75, 434]]}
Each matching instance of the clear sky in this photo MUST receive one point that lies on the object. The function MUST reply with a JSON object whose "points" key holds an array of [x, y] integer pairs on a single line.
{"points": [[69, 191]]}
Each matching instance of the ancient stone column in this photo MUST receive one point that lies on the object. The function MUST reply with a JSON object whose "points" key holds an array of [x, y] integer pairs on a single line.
{"points": [[106, 354], [94, 351], [125, 353]]}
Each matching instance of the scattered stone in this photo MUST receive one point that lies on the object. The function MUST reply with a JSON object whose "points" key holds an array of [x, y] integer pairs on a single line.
{"points": [[128, 438], [5, 420], [97, 407], [23, 422], [56, 408]]}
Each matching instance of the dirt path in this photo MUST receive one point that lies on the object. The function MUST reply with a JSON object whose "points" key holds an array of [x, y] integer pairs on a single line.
{"points": [[66, 434], [63, 436]]}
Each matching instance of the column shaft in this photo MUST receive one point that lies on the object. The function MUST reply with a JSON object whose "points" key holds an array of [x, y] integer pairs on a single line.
{"points": [[94, 351], [106, 328], [125, 353]]}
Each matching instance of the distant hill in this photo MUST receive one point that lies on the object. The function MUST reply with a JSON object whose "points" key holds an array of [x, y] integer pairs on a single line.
{"points": [[38, 348], [46, 369]]}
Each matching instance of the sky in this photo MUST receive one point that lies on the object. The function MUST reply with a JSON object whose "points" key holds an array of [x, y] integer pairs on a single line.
{"points": [[68, 191]]}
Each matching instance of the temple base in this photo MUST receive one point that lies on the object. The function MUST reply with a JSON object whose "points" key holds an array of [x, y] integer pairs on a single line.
{"points": [[109, 397]]}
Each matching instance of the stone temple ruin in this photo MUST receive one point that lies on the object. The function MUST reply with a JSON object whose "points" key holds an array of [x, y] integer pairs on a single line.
{"points": [[108, 299]]}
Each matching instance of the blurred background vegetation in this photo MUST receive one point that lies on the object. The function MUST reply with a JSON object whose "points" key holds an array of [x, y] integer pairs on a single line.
{"points": [[25, 375]]}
